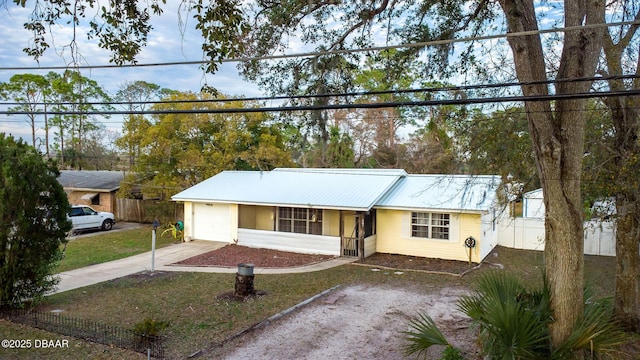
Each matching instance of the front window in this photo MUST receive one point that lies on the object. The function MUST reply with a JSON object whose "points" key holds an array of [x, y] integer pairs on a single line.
{"points": [[430, 225], [300, 220]]}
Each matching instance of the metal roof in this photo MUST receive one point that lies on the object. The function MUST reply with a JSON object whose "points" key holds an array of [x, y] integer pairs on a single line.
{"points": [[442, 192], [396, 172], [91, 180], [352, 189], [533, 194], [349, 189]]}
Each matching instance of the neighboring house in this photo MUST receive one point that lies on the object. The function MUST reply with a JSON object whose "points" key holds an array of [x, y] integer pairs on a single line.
{"points": [[94, 188], [345, 212]]}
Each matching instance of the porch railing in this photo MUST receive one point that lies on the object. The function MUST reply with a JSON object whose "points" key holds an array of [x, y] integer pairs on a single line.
{"points": [[350, 246]]}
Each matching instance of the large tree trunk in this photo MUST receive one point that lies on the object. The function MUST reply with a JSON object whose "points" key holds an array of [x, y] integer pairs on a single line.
{"points": [[626, 163], [558, 140], [626, 120], [627, 126], [627, 239]]}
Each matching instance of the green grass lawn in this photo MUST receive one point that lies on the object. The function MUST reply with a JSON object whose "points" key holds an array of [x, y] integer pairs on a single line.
{"points": [[199, 318], [108, 246]]}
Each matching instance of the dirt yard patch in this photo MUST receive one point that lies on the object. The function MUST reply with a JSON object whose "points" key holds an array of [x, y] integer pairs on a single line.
{"points": [[354, 322]]}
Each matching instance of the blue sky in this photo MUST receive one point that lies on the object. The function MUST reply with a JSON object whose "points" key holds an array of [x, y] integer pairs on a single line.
{"points": [[165, 44]]}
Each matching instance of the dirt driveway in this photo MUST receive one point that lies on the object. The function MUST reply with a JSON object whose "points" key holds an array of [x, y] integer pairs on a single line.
{"points": [[354, 322]]}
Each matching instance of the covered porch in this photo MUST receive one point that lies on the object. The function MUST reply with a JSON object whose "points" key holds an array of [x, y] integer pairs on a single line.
{"points": [[333, 232]]}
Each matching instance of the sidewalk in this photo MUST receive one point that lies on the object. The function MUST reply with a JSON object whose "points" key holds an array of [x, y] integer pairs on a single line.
{"points": [[165, 256]]}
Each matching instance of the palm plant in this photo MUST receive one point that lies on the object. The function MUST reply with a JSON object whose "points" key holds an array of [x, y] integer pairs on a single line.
{"points": [[514, 323], [424, 334], [595, 333]]}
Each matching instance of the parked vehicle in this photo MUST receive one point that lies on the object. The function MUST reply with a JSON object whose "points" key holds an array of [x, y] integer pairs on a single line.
{"points": [[84, 217]]}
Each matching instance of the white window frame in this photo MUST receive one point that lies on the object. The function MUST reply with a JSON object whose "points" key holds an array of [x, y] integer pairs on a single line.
{"points": [[436, 226]]}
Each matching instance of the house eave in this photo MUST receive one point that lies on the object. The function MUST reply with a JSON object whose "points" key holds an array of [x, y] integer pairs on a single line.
{"points": [[427, 209], [70, 188], [254, 203]]}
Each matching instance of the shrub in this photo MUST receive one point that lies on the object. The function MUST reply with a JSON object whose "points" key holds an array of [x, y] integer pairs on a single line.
{"points": [[148, 331], [514, 323]]}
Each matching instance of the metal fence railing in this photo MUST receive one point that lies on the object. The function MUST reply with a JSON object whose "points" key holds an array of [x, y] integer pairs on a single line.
{"points": [[88, 330]]}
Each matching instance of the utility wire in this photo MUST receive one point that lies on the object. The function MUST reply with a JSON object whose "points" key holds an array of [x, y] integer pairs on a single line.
{"points": [[376, 105], [337, 51], [347, 94]]}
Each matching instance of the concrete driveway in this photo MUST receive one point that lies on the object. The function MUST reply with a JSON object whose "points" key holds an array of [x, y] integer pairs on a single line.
{"points": [[118, 226]]}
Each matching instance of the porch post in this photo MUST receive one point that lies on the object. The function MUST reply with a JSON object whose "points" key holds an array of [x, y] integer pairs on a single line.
{"points": [[274, 218], [360, 225], [341, 232]]}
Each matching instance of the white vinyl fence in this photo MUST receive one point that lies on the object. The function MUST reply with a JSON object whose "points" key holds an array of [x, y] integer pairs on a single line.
{"points": [[528, 234]]}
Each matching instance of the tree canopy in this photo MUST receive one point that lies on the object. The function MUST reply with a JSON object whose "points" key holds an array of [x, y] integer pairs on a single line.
{"points": [[122, 27], [180, 150]]}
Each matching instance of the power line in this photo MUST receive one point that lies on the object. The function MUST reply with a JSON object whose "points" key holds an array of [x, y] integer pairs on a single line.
{"points": [[376, 105], [450, 88], [337, 51], [369, 116]]}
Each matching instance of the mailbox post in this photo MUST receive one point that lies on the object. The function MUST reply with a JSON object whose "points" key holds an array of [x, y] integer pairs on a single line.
{"points": [[155, 225]]}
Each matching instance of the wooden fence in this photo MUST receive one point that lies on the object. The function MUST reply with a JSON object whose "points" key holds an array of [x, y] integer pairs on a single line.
{"points": [[145, 211]]}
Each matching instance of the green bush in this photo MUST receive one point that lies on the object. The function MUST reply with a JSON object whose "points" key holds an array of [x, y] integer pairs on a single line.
{"points": [[150, 327], [451, 353], [514, 323], [148, 331]]}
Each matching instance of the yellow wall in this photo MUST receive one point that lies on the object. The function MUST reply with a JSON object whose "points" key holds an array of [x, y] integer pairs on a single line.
{"points": [[247, 216], [256, 217], [331, 222], [349, 223], [394, 236], [265, 218]]}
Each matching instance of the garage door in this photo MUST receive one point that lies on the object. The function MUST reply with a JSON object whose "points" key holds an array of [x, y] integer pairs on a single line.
{"points": [[212, 222]]}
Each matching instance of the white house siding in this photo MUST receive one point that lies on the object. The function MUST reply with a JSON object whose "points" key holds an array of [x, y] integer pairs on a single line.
{"points": [[370, 245], [215, 222], [284, 241], [489, 228], [188, 221]]}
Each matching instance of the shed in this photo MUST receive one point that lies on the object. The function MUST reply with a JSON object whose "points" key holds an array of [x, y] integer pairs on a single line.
{"points": [[533, 204]]}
